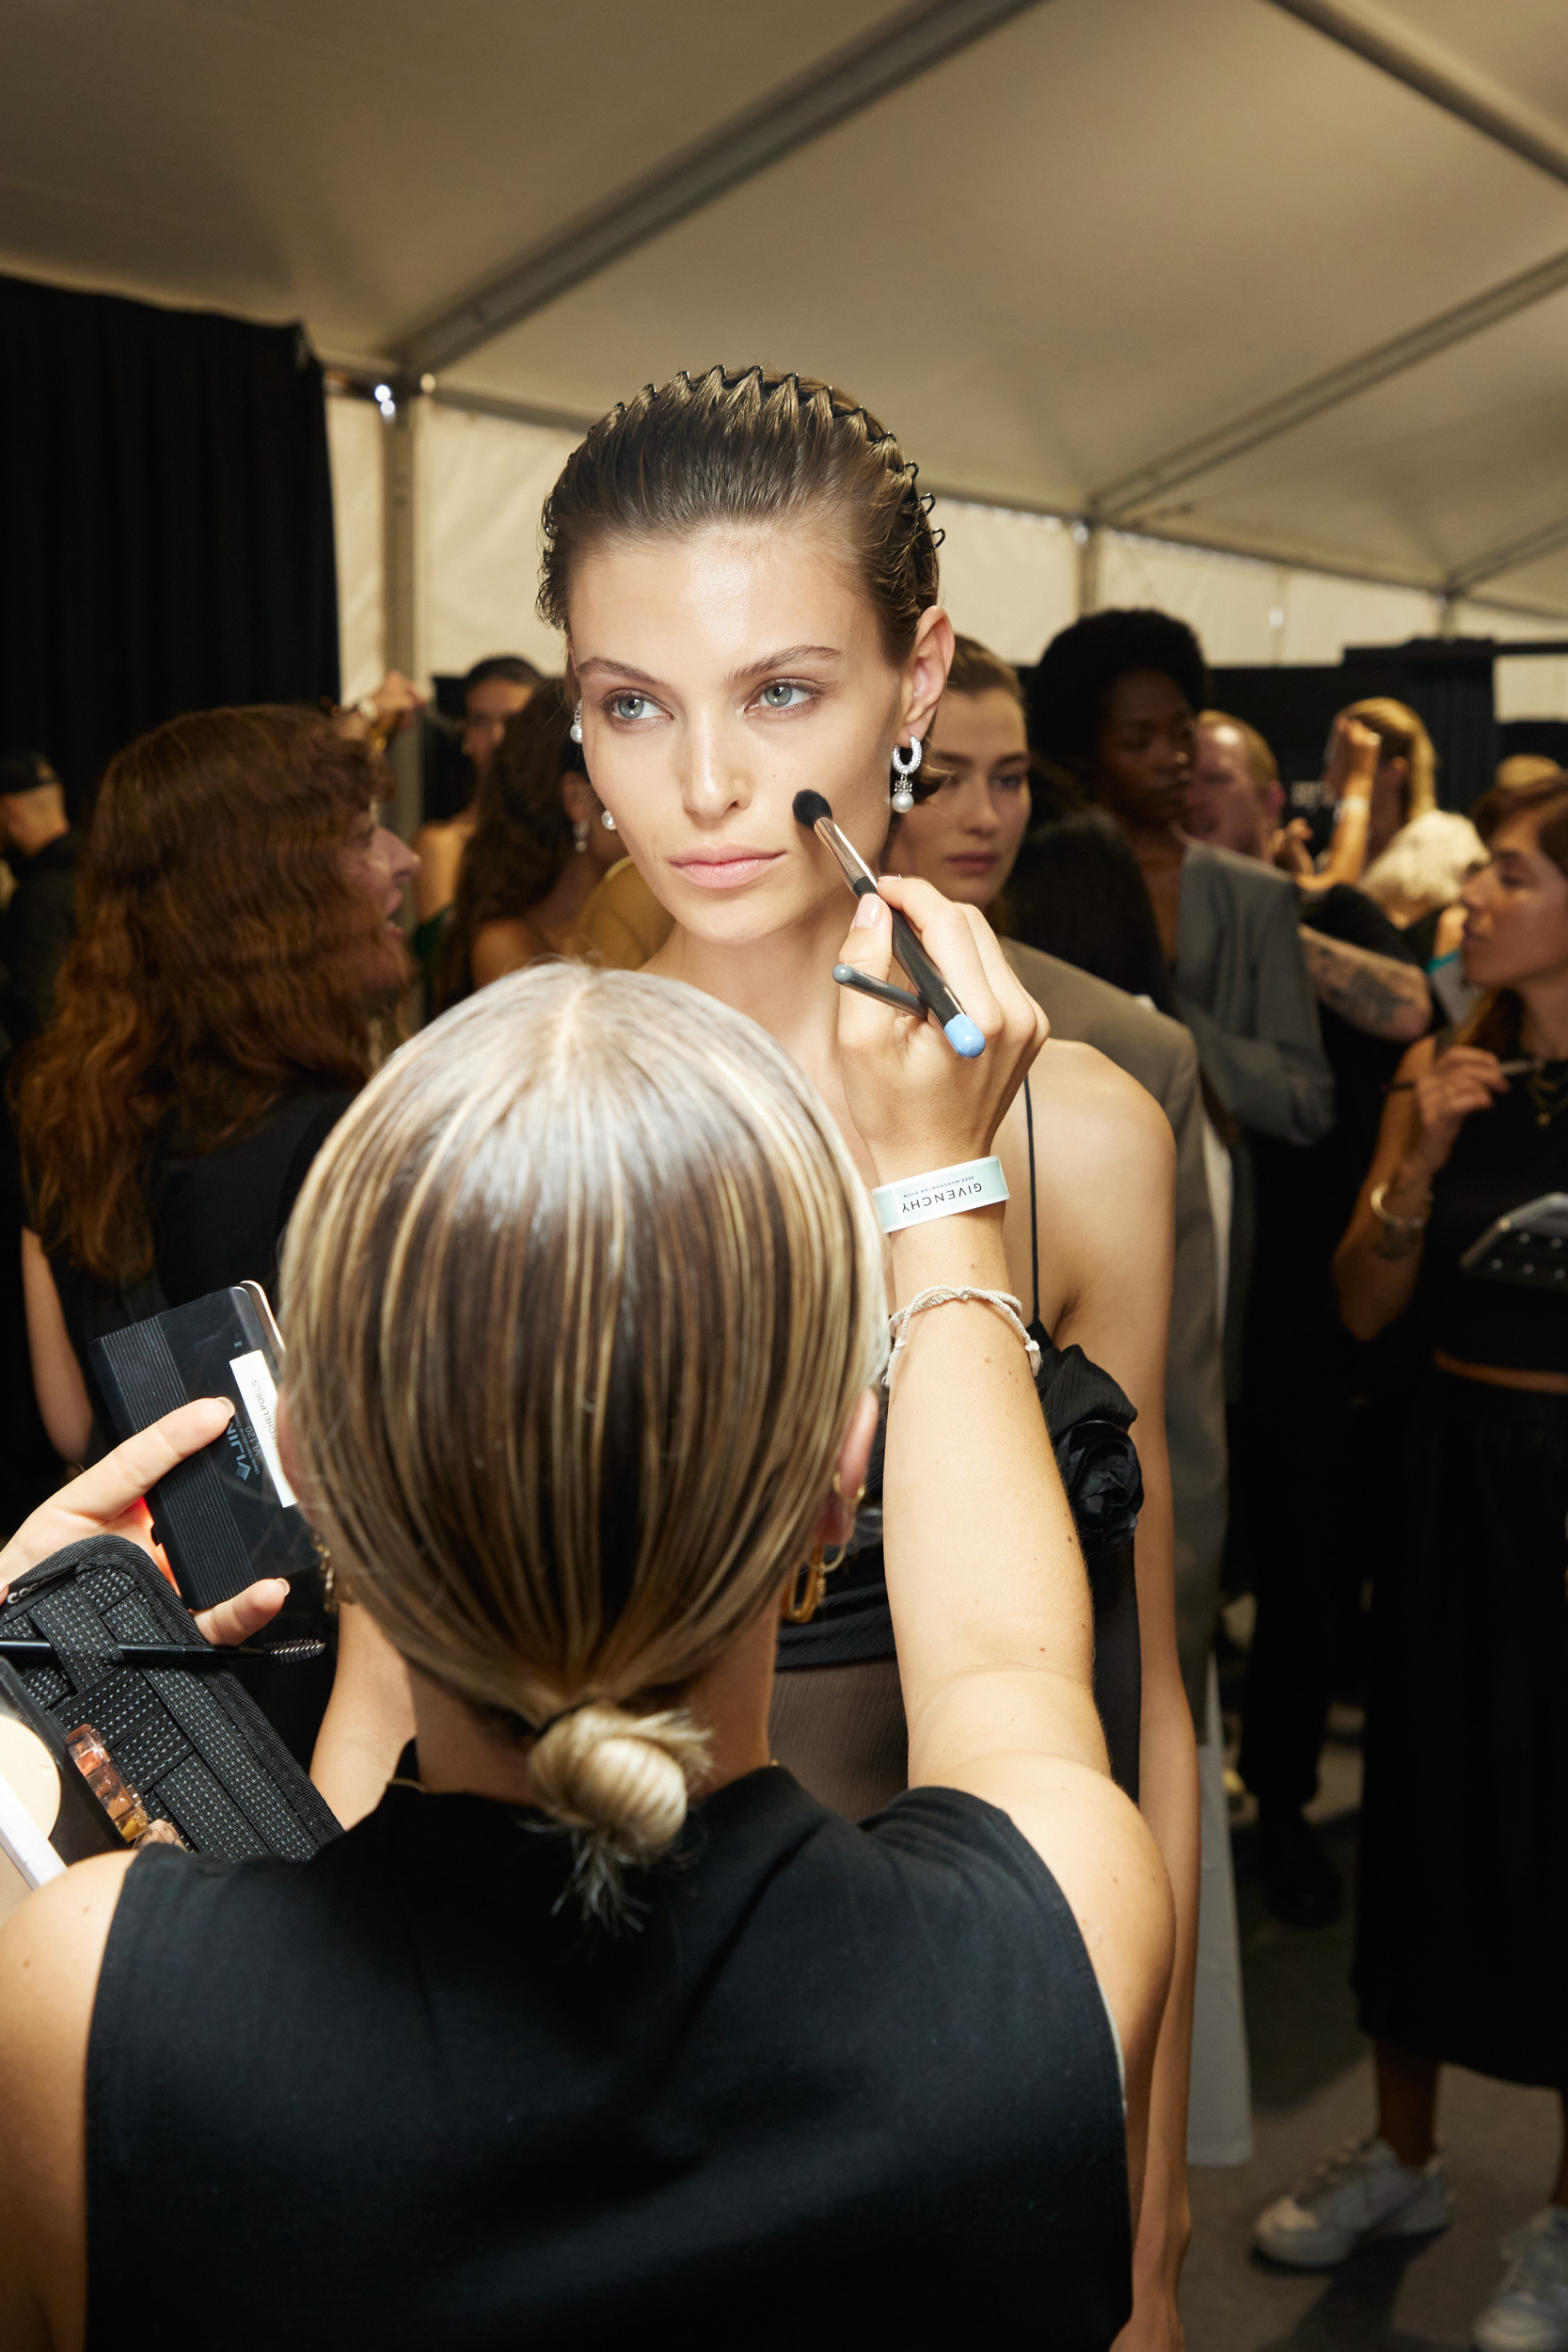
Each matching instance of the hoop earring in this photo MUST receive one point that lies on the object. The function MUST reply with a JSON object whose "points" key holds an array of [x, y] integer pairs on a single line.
{"points": [[905, 765], [575, 730], [802, 1601], [607, 820], [579, 834]]}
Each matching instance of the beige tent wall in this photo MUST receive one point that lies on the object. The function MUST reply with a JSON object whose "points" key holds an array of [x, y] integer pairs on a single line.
{"points": [[1009, 577]]}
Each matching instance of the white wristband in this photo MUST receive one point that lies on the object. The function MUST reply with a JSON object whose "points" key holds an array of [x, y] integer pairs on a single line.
{"points": [[945, 1192]]}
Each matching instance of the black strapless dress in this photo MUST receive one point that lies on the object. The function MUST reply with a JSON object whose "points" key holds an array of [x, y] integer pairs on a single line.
{"points": [[1089, 1419]]}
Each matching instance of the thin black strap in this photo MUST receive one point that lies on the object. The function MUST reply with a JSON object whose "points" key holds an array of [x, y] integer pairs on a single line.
{"points": [[1034, 1217]]}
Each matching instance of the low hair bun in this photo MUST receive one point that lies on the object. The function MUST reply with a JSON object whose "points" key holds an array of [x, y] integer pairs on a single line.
{"points": [[620, 1783]]}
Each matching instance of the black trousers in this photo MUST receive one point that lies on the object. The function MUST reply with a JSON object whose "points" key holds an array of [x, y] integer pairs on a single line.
{"points": [[1462, 1926], [1315, 1472]]}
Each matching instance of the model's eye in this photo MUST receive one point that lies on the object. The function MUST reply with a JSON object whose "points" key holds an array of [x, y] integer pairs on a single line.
{"points": [[781, 694], [629, 706], [1009, 784]]}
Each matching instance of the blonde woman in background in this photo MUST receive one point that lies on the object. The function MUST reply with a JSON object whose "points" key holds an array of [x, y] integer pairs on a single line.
{"points": [[1382, 773]]}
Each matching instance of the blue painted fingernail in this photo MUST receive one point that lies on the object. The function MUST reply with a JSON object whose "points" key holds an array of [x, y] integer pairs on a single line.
{"points": [[964, 1036]]}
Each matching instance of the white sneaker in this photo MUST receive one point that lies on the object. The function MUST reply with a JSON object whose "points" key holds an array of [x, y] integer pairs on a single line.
{"points": [[1362, 2193], [1529, 2312]]}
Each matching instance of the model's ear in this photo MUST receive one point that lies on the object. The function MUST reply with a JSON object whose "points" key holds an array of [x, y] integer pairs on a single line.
{"points": [[579, 799], [925, 671]]}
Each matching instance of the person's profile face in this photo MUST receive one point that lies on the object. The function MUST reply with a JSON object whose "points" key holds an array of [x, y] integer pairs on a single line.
{"points": [[1143, 751], [486, 711], [965, 838], [1224, 805], [1516, 910], [721, 672], [378, 866]]}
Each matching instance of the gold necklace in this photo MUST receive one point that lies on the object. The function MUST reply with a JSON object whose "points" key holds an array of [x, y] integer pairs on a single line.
{"points": [[1550, 1095]]}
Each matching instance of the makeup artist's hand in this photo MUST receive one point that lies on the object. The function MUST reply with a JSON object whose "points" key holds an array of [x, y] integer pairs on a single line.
{"points": [[918, 1103], [107, 1499]]}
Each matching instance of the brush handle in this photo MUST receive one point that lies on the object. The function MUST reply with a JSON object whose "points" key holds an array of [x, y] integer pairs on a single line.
{"points": [[850, 975], [18, 1651], [962, 1033]]}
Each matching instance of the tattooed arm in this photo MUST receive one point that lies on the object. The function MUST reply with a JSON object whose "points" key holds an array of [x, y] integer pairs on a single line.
{"points": [[1381, 994]]}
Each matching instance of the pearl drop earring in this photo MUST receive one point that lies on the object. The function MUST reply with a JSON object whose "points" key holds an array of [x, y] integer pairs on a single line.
{"points": [[575, 730], [905, 765]]}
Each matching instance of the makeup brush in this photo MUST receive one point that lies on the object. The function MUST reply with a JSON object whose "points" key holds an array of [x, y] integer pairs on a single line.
{"points": [[963, 1034], [18, 1651]]}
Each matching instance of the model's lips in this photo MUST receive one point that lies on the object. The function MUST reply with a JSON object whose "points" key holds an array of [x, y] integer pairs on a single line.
{"points": [[973, 861], [725, 870]]}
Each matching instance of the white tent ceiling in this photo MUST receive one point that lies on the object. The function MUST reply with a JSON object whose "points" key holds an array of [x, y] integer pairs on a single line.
{"points": [[1087, 238]]}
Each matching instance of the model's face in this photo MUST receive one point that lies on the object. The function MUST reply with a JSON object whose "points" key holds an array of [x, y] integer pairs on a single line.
{"points": [[1516, 911], [965, 838], [720, 674], [487, 710], [1143, 752], [1223, 802]]}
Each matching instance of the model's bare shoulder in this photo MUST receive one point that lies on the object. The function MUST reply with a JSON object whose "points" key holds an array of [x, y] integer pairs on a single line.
{"points": [[1105, 1108]]}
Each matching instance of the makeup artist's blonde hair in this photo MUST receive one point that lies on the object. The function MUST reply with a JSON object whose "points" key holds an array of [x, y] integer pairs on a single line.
{"points": [[580, 1293]]}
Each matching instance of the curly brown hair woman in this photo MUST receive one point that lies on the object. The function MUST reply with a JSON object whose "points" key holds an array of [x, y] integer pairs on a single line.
{"points": [[214, 1021]]}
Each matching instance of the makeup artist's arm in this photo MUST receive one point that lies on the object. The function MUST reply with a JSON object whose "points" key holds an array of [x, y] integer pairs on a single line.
{"points": [[52, 1948], [1106, 1212], [991, 1605]]}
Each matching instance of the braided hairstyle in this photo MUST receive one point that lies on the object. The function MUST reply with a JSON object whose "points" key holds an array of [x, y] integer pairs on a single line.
{"points": [[754, 447]]}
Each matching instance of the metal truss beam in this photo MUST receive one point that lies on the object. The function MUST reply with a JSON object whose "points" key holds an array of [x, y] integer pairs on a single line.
{"points": [[894, 51], [1441, 80], [1545, 540], [1116, 500]]}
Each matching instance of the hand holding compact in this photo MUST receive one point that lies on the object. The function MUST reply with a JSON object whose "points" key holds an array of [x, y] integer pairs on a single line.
{"points": [[106, 1499]]}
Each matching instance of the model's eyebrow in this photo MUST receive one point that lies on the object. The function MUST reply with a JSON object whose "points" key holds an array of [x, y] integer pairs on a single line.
{"points": [[619, 669], [783, 660]]}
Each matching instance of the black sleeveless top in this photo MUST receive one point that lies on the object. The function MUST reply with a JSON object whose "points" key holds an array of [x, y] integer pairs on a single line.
{"points": [[1504, 1157], [858, 2078], [1088, 1416]]}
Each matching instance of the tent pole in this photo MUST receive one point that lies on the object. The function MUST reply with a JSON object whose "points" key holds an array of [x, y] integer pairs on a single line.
{"points": [[399, 604], [1088, 538]]}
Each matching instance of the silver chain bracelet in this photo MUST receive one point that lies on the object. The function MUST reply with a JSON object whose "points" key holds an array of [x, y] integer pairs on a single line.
{"points": [[1009, 1307]]}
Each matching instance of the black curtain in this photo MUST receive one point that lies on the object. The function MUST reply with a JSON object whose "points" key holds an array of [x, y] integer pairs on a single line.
{"points": [[166, 521]]}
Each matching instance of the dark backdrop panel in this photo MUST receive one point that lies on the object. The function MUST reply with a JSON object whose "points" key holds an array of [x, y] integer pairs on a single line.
{"points": [[1546, 738], [166, 521]]}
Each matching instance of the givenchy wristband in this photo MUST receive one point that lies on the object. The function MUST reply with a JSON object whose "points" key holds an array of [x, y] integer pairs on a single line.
{"points": [[945, 1192]]}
